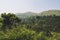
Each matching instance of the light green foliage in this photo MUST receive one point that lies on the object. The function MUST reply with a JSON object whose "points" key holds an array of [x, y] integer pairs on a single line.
{"points": [[51, 12], [30, 28]]}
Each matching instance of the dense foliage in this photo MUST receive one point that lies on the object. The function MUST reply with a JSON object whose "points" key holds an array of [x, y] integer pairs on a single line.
{"points": [[30, 28]]}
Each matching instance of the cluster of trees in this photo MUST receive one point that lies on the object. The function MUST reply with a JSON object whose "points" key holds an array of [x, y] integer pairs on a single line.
{"points": [[32, 28], [9, 20]]}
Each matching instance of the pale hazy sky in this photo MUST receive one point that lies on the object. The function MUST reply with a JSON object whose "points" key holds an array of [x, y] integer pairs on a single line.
{"points": [[18, 6]]}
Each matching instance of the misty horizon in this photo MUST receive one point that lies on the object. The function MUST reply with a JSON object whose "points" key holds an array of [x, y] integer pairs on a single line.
{"points": [[21, 6]]}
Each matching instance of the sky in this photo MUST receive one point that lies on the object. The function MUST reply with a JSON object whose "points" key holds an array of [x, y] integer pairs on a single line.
{"points": [[21, 6]]}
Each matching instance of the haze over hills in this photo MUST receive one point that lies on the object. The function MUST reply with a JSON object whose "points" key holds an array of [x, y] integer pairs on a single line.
{"points": [[44, 13], [26, 14]]}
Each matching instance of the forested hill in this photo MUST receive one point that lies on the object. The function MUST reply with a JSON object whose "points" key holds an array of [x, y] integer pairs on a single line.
{"points": [[26, 14], [51, 12], [35, 27], [44, 13]]}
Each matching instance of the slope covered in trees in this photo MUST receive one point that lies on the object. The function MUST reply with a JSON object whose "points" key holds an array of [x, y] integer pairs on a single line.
{"points": [[26, 14], [31, 28], [51, 12], [44, 13]]}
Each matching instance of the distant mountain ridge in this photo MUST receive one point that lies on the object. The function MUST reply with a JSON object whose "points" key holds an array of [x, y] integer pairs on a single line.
{"points": [[51, 12], [44, 13], [26, 14]]}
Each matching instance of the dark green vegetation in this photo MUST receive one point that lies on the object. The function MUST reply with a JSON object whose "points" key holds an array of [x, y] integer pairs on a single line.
{"points": [[34, 27]]}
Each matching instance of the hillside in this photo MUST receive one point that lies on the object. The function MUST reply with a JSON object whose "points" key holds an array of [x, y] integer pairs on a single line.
{"points": [[26, 14], [33, 28], [50, 12], [44, 13]]}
